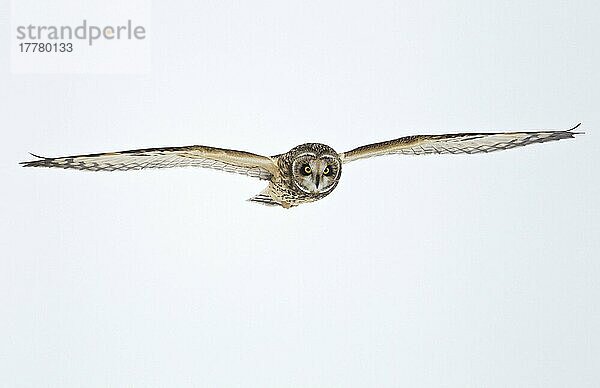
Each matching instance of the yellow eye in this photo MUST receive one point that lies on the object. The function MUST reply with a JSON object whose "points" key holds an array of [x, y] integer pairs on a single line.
{"points": [[326, 171], [306, 169]]}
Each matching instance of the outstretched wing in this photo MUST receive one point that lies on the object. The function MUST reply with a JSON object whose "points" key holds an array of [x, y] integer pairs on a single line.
{"points": [[459, 143], [239, 162]]}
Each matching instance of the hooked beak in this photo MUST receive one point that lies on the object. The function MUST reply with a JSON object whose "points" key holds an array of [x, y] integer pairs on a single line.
{"points": [[317, 179]]}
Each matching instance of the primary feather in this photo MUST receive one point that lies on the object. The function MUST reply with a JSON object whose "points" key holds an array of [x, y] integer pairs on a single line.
{"points": [[239, 162], [459, 143]]}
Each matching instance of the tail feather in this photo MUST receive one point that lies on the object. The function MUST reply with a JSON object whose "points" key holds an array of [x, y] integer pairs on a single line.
{"points": [[264, 198]]}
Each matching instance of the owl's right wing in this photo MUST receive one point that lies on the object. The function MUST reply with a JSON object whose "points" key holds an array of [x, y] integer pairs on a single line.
{"points": [[458, 143], [239, 162]]}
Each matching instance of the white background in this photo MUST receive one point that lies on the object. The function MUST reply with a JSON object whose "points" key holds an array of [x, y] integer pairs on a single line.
{"points": [[433, 271]]}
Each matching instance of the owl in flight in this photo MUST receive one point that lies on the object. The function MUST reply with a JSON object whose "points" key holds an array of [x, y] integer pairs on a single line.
{"points": [[307, 172]]}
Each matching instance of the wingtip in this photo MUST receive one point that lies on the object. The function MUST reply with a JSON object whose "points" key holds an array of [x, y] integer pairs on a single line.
{"points": [[36, 156], [574, 128], [32, 163]]}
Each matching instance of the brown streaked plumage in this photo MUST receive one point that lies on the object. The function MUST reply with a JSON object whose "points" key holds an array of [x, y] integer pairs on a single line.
{"points": [[458, 143], [307, 172], [239, 162]]}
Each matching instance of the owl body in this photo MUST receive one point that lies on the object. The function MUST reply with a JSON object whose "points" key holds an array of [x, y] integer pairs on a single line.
{"points": [[306, 173]]}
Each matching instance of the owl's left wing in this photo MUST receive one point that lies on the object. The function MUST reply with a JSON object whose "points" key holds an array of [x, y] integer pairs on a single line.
{"points": [[459, 143], [239, 162]]}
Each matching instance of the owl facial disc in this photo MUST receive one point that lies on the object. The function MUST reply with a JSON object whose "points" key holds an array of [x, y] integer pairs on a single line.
{"points": [[316, 169]]}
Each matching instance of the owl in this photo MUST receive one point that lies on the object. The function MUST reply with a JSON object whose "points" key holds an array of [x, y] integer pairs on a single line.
{"points": [[307, 172]]}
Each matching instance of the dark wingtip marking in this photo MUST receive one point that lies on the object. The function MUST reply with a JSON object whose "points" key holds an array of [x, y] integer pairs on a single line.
{"points": [[35, 163], [574, 128]]}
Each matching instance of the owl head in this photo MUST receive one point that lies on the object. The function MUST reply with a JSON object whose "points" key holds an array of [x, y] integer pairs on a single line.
{"points": [[315, 168]]}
